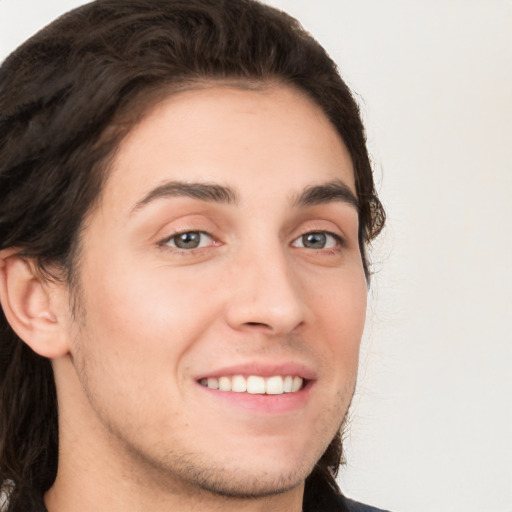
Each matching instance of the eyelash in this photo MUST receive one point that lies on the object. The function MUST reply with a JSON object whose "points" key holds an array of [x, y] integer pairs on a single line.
{"points": [[338, 240], [166, 242]]}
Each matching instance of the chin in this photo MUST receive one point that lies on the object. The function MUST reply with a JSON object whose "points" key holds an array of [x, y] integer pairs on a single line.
{"points": [[237, 479], [250, 486]]}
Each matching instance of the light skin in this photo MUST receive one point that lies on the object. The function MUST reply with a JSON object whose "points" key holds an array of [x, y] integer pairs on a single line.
{"points": [[265, 279]]}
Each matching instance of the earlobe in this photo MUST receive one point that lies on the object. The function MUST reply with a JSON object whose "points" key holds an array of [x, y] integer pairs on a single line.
{"points": [[32, 306]]}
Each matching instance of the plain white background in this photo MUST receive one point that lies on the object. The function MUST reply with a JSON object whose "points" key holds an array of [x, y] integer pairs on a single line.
{"points": [[431, 425]]}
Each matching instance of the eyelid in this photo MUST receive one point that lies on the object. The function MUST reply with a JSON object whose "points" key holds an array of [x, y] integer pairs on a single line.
{"points": [[340, 241], [165, 242]]}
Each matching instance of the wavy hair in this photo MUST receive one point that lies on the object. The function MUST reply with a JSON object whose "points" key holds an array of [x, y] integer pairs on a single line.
{"points": [[67, 98]]}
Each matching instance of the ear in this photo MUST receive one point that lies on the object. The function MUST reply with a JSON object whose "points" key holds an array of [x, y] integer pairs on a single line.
{"points": [[34, 307]]}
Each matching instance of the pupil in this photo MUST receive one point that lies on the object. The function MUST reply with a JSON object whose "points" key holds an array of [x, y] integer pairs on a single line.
{"points": [[188, 240], [314, 240]]}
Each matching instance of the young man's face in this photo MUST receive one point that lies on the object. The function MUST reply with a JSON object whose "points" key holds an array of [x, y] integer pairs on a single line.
{"points": [[224, 249]]}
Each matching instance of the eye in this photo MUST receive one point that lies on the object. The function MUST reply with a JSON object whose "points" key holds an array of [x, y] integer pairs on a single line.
{"points": [[189, 240], [317, 240]]}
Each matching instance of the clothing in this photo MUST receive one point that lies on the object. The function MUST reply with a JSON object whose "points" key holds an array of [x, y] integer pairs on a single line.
{"points": [[355, 506], [332, 501], [324, 495]]}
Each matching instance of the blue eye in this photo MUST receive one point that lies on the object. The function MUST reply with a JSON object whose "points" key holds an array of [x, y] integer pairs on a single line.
{"points": [[317, 240], [189, 240]]}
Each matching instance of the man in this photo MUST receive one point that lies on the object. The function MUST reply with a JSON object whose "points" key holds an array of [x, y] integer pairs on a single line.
{"points": [[186, 198]]}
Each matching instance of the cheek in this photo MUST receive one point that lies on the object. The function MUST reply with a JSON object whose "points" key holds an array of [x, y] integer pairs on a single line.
{"points": [[136, 334], [340, 310], [146, 314]]}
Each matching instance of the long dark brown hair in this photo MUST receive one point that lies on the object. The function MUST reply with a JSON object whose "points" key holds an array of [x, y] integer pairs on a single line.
{"points": [[67, 98]]}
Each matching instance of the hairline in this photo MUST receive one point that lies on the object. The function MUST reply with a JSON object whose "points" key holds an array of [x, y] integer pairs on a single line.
{"points": [[146, 101]]}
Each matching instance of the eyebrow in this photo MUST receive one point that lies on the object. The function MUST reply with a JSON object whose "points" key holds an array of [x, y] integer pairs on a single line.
{"points": [[313, 195], [327, 192], [204, 191]]}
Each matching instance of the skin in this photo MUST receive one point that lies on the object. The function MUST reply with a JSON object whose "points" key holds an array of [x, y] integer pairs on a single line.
{"points": [[137, 431]]}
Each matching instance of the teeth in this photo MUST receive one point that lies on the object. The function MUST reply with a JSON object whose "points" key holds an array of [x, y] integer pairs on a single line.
{"points": [[224, 383], [297, 384], [238, 384], [274, 386], [255, 385], [212, 383]]}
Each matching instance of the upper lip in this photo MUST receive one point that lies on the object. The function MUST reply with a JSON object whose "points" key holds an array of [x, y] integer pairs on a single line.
{"points": [[263, 370]]}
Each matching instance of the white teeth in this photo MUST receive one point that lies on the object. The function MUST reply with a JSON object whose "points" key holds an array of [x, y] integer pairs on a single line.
{"points": [[297, 384], [274, 386], [212, 383], [254, 384], [238, 384], [224, 383]]}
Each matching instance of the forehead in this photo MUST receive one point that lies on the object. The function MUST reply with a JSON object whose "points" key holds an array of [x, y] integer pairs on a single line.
{"points": [[272, 138]]}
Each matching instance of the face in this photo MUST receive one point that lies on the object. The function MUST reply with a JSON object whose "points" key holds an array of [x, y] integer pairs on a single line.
{"points": [[222, 293]]}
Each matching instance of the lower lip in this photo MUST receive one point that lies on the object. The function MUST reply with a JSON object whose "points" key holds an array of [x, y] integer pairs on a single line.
{"points": [[265, 404]]}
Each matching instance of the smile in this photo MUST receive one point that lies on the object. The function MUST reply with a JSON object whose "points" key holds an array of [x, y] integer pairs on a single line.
{"points": [[254, 384]]}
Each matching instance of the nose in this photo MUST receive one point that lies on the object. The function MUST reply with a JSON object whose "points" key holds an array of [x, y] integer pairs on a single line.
{"points": [[265, 295]]}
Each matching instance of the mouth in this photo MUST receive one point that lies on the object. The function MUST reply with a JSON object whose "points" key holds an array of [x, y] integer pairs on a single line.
{"points": [[261, 388], [256, 384]]}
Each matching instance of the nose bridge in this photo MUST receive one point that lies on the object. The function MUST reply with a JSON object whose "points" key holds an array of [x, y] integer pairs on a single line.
{"points": [[265, 292]]}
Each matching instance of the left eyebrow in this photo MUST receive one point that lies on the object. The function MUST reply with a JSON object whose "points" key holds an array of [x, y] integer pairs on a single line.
{"points": [[209, 192], [326, 193]]}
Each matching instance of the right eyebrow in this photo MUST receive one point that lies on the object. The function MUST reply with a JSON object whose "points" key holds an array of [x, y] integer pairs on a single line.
{"points": [[332, 191], [210, 192]]}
